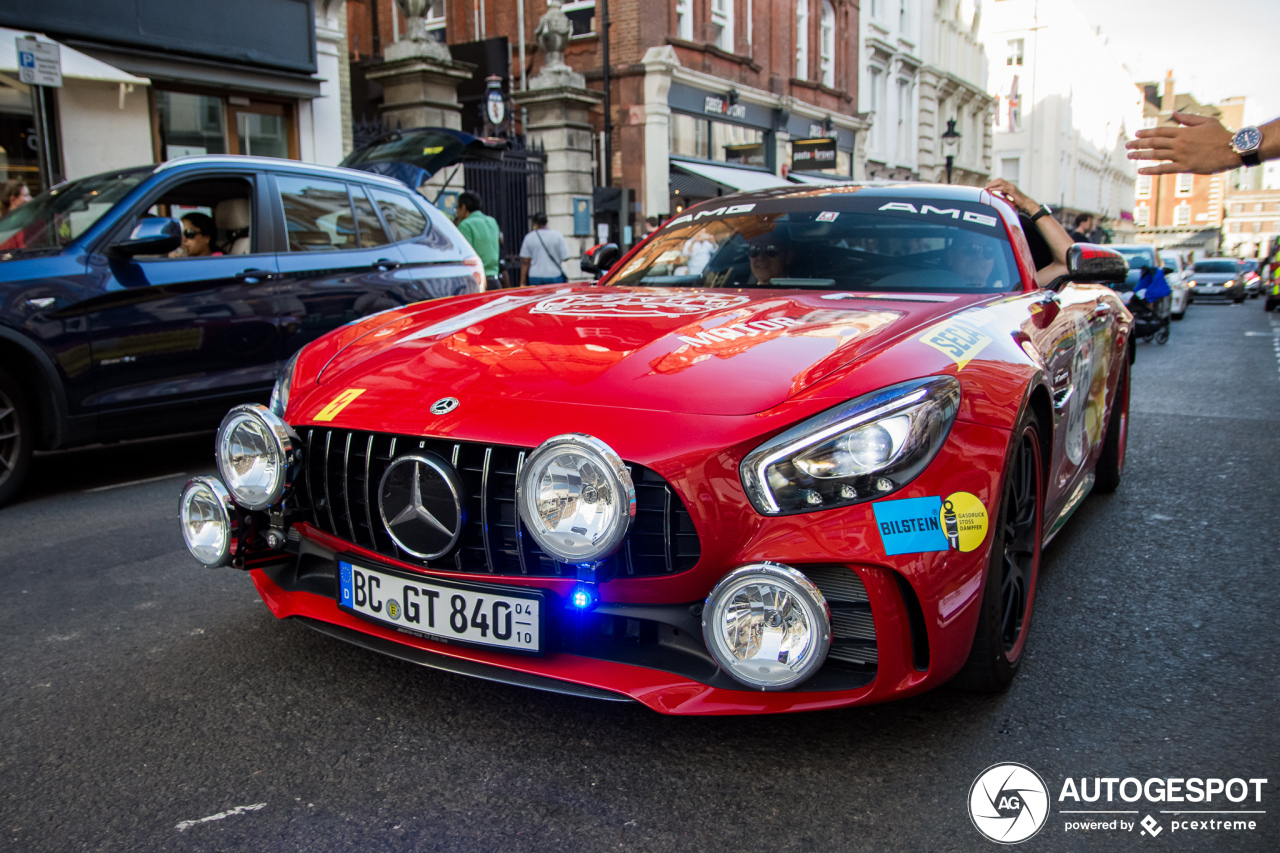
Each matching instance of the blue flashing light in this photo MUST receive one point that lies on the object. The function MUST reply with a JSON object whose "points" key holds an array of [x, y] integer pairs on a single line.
{"points": [[582, 598]]}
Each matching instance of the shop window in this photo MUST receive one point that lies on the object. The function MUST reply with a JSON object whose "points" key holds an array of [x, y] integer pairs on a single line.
{"points": [[17, 139], [724, 135], [190, 124], [317, 213], [827, 59], [688, 136], [802, 39], [582, 14], [403, 217]]}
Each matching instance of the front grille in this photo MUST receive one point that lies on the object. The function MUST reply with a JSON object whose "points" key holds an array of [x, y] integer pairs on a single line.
{"points": [[853, 631], [344, 467]]}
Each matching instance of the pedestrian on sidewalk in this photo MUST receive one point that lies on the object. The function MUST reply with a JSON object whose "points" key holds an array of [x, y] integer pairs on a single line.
{"points": [[481, 231], [542, 254]]}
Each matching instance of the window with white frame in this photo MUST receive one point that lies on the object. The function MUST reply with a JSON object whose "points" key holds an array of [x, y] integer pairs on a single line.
{"points": [[1144, 186], [827, 59], [877, 107], [902, 17], [435, 21], [904, 119], [582, 14], [684, 19], [1141, 215], [1011, 169], [1183, 186], [722, 17], [1014, 54], [802, 39], [1182, 214]]}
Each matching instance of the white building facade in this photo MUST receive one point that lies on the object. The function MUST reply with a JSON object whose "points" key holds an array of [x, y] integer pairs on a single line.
{"points": [[953, 88], [890, 35], [1065, 105]]}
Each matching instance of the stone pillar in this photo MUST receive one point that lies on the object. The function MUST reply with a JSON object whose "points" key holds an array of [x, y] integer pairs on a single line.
{"points": [[421, 91], [559, 123], [659, 66]]}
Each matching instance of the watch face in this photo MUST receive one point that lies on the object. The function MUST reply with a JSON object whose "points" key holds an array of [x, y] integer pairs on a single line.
{"points": [[1247, 139]]}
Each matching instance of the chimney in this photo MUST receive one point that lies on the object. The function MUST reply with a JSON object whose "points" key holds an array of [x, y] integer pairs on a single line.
{"points": [[1167, 104]]}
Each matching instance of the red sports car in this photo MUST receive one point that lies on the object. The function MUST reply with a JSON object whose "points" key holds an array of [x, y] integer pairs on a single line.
{"points": [[799, 449]]}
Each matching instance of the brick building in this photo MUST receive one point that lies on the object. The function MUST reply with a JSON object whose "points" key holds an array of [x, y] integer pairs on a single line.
{"points": [[707, 96], [1182, 211], [1251, 226]]}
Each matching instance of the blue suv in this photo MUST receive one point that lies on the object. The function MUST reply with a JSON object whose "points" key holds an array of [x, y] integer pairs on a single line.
{"points": [[108, 332]]}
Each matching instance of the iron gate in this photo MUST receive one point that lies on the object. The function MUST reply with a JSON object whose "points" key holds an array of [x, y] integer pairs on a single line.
{"points": [[512, 190]]}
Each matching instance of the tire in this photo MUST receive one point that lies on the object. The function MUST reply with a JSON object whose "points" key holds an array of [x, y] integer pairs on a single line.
{"points": [[1162, 336], [1004, 618], [17, 437], [1111, 463]]}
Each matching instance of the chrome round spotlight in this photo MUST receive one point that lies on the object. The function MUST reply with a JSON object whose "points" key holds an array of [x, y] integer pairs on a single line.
{"points": [[767, 626], [576, 498], [207, 515], [255, 453]]}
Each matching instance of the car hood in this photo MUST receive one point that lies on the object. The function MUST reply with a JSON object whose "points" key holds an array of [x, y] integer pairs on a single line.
{"points": [[724, 352]]}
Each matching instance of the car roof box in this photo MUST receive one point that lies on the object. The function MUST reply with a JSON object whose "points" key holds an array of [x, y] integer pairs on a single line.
{"points": [[414, 155]]}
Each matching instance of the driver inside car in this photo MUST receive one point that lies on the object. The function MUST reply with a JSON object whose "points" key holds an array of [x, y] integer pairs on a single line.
{"points": [[770, 256], [972, 257]]}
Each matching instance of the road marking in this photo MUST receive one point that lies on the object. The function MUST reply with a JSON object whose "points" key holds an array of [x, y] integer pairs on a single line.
{"points": [[136, 482], [186, 824]]}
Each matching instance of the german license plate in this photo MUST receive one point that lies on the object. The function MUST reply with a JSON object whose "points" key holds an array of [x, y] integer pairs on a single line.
{"points": [[1210, 290], [492, 616]]}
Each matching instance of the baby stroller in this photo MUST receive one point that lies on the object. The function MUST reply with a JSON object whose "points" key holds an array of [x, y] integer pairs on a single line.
{"points": [[1149, 301]]}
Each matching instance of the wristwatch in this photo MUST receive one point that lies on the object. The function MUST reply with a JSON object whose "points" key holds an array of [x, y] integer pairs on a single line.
{"points": [[1246, 142], [1043, 211]]}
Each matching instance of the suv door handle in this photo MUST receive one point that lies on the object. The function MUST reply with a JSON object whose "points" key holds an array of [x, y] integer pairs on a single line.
{"points": [[385, 264], [253, 276]]}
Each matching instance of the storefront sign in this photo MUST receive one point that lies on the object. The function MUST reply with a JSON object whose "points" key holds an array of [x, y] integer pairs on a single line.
{"points": [[813, 154], [39, 62], [719, 106], [745, 155]]}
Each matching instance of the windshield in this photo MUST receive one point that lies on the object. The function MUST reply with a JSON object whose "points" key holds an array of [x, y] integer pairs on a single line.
{"points": [[831, 242], [1250, 266], [1216, 266], [1138, 256], [57, 217]]}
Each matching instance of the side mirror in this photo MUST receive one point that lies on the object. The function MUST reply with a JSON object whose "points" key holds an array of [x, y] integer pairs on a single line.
{"points": [[154, 235], [1087, 262], [600, 257]]}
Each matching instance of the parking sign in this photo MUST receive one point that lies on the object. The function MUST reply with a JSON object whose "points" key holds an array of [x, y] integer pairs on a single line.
{"points": [[39, 62]]}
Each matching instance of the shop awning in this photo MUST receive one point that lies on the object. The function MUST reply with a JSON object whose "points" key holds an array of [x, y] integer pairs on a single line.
{"points": [[75, 65], [811, 178], [731, 176]]}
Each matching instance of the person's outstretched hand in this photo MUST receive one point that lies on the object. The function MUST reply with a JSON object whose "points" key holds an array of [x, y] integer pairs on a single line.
{"points": [[1201, 146], [1010, 193]]}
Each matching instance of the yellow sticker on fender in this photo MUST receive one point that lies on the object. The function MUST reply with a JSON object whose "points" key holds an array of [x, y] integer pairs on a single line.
{"points": [[338, 403], [958, 341], [964, 521]]}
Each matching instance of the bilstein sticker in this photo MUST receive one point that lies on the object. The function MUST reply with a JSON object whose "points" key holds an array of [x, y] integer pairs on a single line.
{"points": [[924, 525], [338, 403], [964, 521], [957, 340]]}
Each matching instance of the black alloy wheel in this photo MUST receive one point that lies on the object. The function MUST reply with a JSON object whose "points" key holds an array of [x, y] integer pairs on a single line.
{"points": [[15, 438], [1004, 618]]}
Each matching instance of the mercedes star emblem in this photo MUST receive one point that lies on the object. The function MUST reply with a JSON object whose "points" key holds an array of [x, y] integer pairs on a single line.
{"points": [[420, 502], [444, 405]]}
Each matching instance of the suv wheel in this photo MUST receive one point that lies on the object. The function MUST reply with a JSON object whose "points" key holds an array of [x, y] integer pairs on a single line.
{"points": [[16, 437]]}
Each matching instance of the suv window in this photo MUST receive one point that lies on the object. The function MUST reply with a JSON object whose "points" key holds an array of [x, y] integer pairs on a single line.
{"points": [[371, 231], [317, 213], [402, 215], [219, 208]]}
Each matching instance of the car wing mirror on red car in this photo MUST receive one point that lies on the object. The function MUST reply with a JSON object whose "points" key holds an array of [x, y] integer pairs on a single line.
{"points": [[1087, 262], [600, 257]]}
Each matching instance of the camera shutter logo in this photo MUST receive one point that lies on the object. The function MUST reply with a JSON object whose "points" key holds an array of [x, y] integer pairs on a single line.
{"points": [[1008, 803]]}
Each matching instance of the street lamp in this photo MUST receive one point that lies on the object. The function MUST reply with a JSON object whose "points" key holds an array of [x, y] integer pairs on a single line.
{"points": [[950, 142]]}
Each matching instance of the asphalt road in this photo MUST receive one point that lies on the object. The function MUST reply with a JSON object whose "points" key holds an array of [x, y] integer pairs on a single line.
{"points": [[148, 704]]}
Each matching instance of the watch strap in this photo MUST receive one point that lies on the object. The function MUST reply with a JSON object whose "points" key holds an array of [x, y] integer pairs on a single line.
{"points": [[1043, 211], [1251, 158]]}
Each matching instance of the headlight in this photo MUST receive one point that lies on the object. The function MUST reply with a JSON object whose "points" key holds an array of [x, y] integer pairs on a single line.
{"points": [[767, 626], [576, 498], [280, 391], [255, 453], [861, 450], [206, 514]]}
